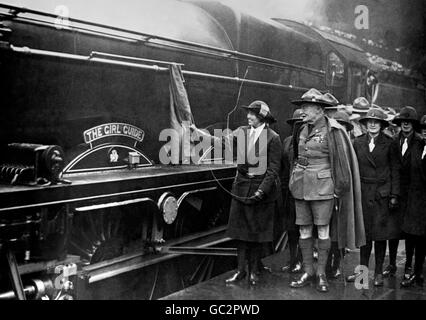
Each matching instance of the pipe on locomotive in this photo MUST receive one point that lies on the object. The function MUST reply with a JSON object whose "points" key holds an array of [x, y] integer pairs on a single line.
{"points": [[156, 68]]}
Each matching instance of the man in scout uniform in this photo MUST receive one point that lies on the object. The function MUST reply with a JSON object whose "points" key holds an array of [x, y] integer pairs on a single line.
{"points": [[325, 173]]}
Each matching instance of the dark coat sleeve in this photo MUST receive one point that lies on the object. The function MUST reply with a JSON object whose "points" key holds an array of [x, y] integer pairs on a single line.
{"points": [[339, 163], [395, 166], [423, 166], [424, 169], [298, 126], [285, 165], [271, 179]]}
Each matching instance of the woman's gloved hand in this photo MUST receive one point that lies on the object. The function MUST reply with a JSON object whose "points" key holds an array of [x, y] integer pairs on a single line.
{"points": [[259, 195], [393, 203]]}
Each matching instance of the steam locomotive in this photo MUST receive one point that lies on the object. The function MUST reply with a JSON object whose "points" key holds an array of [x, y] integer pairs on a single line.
{"points": [[87, 210]]}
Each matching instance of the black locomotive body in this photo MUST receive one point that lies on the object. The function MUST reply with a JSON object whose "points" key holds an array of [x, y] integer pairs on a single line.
{"points": [[87, 210]]}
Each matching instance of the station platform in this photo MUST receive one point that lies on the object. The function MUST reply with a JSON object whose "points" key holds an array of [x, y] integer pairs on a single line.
{"points": [[275, 285]]}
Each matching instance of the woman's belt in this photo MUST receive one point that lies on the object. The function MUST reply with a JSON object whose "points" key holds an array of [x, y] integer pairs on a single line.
{"points": [[373, 180], [247, 175]]}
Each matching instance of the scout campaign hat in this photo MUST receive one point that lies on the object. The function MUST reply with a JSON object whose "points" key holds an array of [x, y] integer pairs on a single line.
{"points": [[361, 105], [375, 114], [262, 110], [316, 97], [297, 116], [343, 118], [349, 109]]}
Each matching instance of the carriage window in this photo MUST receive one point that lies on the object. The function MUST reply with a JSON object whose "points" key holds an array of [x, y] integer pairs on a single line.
{"points": [[294, 78], [335, 69]]}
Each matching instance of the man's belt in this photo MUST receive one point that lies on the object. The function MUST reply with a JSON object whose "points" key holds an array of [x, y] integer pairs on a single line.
{"points": [[373, 180], [304, 161]]}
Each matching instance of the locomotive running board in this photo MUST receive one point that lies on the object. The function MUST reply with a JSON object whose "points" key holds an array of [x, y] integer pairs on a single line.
{"points": [[123, 264], [201, 251]]}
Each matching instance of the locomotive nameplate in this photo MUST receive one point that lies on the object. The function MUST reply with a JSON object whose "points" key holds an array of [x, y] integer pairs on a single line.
{"points": [[113, 129]]}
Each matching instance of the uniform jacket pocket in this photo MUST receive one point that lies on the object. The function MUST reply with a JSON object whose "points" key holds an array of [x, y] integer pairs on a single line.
{"points": [[325, 183]]}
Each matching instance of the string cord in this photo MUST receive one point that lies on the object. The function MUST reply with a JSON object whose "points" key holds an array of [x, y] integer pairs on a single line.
{"points": [[238, 98], [227, 127]]}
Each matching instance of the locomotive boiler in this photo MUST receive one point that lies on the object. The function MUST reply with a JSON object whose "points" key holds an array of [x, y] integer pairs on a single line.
{"points": [[87, 209]]}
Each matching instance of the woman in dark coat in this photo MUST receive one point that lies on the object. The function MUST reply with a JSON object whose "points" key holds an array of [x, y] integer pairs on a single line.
{"points": [[406, 140], [379, 167], [414, 218], [295, 263], [256, 191]]}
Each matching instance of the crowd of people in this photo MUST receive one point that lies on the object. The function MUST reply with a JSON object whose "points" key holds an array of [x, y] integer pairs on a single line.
{"points": [[349, 176]]}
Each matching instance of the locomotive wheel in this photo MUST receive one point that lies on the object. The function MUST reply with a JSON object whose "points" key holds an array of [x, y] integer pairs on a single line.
{"points": [[105, 235], [193, 269]]}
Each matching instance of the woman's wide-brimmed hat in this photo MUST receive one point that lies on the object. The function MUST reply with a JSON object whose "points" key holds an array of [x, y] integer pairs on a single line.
{"points": [[316, 97], [407, 114], [375, 114], [262, 110]]}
